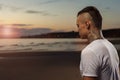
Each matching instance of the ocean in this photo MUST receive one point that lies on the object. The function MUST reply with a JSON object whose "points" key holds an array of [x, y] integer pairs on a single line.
{"points": [[13, 45], [18, 45]]}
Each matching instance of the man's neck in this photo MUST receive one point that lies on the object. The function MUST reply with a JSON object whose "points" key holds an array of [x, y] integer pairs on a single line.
{"points": [[94, 36]]}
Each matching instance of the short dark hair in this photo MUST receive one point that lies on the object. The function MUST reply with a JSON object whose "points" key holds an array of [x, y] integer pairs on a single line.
{"points": [[95, 14]]}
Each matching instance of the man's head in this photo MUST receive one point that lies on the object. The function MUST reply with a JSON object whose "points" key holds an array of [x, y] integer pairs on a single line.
{"points": [[88, 18]]}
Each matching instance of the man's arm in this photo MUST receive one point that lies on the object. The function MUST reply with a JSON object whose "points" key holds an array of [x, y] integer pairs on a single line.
{"points": [[89, 65], [89, 78]]}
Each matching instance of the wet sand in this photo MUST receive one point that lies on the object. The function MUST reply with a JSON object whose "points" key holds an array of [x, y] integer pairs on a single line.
{"points": [[40, 66]]}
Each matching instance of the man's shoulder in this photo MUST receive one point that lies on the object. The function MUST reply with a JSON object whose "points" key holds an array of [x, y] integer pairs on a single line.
{"points": [[87, 51], [95, 47]]}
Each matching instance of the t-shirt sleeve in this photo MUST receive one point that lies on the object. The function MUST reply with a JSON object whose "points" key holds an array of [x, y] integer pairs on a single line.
{"points": [[89, 63]]}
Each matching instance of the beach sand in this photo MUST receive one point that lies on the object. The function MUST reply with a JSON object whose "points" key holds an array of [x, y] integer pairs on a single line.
{"points": [[56, 65], [40, 66]]}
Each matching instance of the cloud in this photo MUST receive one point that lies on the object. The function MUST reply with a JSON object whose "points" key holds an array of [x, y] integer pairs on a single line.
{"points": [[107, 8], [34, 31], [14, 8], [31, 11], [15, 25], [53, 1], [43, 13], [48, 2], [1, 6], [11, 8], [21, 25]]}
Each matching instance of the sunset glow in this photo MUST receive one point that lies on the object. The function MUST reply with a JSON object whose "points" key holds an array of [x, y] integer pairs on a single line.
{"points": [[7, 31]]}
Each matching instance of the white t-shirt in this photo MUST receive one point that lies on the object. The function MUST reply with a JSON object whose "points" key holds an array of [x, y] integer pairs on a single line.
{"points": [[100, 59]]}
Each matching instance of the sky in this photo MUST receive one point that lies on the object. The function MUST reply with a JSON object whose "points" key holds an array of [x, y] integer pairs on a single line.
{"points": [[40, 16]]}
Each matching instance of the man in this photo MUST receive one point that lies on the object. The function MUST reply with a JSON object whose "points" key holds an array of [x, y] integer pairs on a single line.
{"points": [[99, 60]]}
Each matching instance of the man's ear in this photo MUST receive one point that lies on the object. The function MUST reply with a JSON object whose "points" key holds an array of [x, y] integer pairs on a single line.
{"points": [[88, 25]]}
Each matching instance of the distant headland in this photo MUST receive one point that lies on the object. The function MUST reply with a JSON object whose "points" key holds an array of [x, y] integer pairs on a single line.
{"points": [[110, 33]]}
